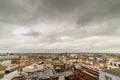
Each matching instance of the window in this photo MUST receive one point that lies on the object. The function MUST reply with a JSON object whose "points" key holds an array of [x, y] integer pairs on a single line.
{"points": [[114, 64], [110, 63], [119, 65]]}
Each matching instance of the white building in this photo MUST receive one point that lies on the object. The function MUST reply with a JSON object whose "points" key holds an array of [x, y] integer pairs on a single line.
{"points": [[114, 63], [8, 57], [110, 74]]}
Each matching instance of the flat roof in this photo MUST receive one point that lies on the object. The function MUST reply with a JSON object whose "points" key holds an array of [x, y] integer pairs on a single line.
{"points": [[115, 72]]}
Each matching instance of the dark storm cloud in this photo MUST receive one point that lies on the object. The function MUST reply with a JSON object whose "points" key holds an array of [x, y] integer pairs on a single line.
{"points": [[103, 11], [16, 12], [29, 11]]}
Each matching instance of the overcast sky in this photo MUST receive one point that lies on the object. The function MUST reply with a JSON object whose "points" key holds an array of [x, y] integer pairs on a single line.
{"points": [[60, 26]]}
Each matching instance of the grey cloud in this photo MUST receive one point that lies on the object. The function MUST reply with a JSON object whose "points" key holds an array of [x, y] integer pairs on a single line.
{"points": [[29, 11], [104, 10], [32, 33], [76, 19]]}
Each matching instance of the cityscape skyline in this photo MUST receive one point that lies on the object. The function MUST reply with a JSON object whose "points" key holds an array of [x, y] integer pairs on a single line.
{"points": [[60, 26]]}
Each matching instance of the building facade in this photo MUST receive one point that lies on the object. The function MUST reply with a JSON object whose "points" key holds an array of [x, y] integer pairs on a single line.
{"points": [[8, 57]]}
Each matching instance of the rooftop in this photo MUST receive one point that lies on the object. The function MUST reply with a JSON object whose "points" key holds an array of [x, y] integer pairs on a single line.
{"points": [[115, 72]]}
